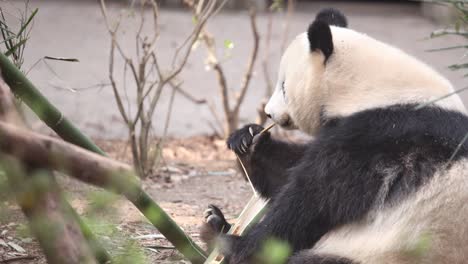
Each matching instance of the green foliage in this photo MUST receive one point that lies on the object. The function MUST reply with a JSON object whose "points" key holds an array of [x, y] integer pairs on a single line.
{"points": [[23, 231], [277, 5], [422, 246], [228, 44], [274, 251], [459, 28], [3, 184], [101, 202], [131, 253], [15, 43]]}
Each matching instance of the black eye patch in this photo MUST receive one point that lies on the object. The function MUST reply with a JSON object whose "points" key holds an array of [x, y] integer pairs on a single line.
{"points": [[283, 89]]}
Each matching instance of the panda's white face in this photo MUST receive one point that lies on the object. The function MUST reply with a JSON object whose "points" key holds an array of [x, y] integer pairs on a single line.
{"points": [[296, 79], [277, 106], [359, 73]]}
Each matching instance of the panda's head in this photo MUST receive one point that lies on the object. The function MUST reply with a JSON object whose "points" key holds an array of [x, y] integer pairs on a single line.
{"points": [[332, 71]]}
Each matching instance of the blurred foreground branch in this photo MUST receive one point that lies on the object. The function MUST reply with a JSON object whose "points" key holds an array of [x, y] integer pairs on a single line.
{"points": [[51, 218], [155, 214]]}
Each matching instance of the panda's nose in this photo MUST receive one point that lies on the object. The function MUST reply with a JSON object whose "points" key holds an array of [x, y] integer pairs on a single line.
{"points": [[268, 115]]}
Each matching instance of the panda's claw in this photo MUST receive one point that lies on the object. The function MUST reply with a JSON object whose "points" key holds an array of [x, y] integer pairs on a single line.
{"points": [[215, 219], [207, 213], [242, 139], [244, 142]]}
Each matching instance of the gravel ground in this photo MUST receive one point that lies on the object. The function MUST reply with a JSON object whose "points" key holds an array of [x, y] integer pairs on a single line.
{"points": [[76, 29]]}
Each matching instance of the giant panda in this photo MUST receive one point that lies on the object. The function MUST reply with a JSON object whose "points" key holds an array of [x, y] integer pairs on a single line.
{"points": [[385, 179]]}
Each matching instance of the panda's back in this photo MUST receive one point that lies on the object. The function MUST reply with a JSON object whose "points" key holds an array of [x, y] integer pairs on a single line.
{"points": [[421, 212], [418, 230], [375, 73]]}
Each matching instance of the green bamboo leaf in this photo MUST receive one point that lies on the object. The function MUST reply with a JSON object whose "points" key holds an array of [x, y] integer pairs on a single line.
{"points": [[25, 25], [228, 44], [4, 27], [448, 48], [61, 59], [442, 97], [15, 47], [7, 39], [455, 67], [275, 251]]}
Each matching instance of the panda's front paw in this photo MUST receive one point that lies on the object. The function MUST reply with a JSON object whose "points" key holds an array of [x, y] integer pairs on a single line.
{"points": [[214, 225], [215, 219], [242, 139]]}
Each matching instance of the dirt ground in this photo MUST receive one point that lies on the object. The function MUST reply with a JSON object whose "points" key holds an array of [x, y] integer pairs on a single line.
{"points": [[195, 172]]}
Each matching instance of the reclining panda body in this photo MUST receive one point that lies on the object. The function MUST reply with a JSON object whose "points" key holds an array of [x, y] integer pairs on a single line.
{"points": [[384, 180]]}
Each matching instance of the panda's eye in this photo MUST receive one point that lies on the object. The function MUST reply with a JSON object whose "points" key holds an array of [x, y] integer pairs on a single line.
{"points": [[283, 89]]}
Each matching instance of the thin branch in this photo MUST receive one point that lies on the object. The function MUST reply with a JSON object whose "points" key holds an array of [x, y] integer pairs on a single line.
{"points": [[287, 25], [202, 19], [253, 58], [117, 96], [265, 61], [169, 112], [215, 114], [187, 95], [223, 88]]}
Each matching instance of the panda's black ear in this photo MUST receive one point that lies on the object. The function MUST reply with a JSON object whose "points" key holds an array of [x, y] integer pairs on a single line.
{"points": [[320, 38], [332, 17]]}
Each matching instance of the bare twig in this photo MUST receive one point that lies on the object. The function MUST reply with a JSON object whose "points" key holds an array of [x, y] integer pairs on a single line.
{"points": [[250, 65], [142, 70], [187, 95], [231, 113], [287, 25], [15, 259], [265, 61]]}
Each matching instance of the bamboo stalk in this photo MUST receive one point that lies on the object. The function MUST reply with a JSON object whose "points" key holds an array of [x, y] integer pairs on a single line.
{"points": [[50, 220], [47, 112], [24, 89], [40, 150], [41, 201]]}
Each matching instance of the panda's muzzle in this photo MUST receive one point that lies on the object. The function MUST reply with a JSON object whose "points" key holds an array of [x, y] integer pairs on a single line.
{"points": [[286, 122]]}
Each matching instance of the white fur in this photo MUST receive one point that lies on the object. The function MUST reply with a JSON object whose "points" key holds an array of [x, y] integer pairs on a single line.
{"points": [[361, 73], [430, 226]]}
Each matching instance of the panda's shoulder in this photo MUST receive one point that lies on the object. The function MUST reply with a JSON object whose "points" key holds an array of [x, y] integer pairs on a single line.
{"points": [[398, 130]]}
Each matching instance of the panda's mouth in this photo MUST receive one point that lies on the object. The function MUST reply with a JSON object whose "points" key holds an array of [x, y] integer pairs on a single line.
{"points": [[287, 123]]}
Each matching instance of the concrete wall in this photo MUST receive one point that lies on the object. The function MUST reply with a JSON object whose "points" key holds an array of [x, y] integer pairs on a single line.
{"points": [[440, 13]]}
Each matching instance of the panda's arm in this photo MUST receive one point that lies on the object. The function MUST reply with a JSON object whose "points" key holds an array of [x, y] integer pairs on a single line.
{"points": [[327, 188], [266, 160]]}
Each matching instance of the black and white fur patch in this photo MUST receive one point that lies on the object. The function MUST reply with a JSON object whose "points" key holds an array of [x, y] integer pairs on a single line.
{"points": [[371, 159], [332, 17], [319, 32], [320, 38]]}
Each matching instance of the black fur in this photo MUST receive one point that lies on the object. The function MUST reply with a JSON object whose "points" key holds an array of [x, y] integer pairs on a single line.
{"points": [[338, 177], [270, 164], [320, 38], [307, 258], [332, 17], [215, 218], [215, 224]]}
